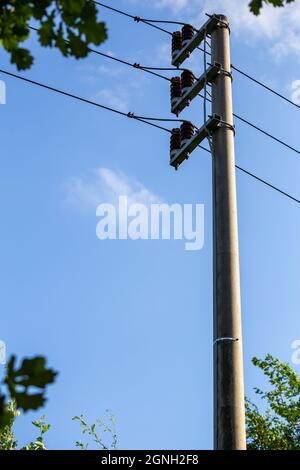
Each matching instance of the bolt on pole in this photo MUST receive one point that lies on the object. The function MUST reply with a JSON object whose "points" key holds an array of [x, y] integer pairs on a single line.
{"points": [[229, 402]]}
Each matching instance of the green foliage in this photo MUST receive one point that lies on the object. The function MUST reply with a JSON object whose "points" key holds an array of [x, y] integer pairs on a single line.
{"points": [[68, 25], [38, 444], [7, 438], [8, 442], [92, 432], [256, 5], [19, 382], [279, 427]]}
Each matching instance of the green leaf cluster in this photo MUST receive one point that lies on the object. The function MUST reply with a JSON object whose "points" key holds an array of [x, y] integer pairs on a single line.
{"points": [[26, 386], [7, 438], [38, 444], [68, 25], [256, 5], [92, 431], [278, 428]]}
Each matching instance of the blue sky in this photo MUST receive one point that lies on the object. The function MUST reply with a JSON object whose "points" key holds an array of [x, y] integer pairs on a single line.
{"points": [[128, 324]]}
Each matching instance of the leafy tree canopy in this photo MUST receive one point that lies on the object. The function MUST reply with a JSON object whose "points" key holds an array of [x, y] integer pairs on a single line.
{"points": [[278, 427], [7, 437], [101, 435], [25, 386], [93, 432], [68, 25], [256, 5]]}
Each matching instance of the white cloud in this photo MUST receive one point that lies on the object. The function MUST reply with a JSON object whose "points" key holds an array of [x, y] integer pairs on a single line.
{"points": [[295, 87], [114, 93], [115, 98], [105, 186], [163, 53], [92, 73], [119, 88], [243, 21], [175, 5], [279, 28]]}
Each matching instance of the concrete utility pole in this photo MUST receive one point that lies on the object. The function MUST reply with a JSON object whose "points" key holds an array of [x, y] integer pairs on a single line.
{"points": [[229, 406], [229, 403]]}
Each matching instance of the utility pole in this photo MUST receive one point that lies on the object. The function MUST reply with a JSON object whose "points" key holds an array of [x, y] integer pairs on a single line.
{"points": [[229, 401]]}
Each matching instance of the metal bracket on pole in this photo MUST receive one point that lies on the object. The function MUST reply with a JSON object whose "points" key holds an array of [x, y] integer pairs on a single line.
{"points": [[207, 129], [196, 40], [198, 86], [225, 338]]}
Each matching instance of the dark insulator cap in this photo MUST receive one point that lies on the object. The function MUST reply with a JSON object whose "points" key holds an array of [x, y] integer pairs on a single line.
{"points": [[187, 32], [187, 130], [176, 41], [187, 79], [175, 142], [176, 87]]}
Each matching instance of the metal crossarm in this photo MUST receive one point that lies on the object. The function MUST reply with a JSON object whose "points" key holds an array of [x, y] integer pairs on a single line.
{"points": [[207, 129], [198, 86], [196, 40]]}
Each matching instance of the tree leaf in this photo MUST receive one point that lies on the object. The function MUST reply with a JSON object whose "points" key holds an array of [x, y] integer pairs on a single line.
{"points": [[32, 373], [71, 26]]}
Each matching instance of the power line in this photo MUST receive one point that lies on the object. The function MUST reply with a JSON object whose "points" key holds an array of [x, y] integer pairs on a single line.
{"points": [[268, 184], [135, 65], [259, 129], [265, 86], [135, 18], [267, 134], [114, 9], [121, 61], [130, 115], [143, 20], [138, 19], [173, 69], [258, 82], [284, 193], [84, 100], [137, 118], [150, 70], [160, 119]]}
